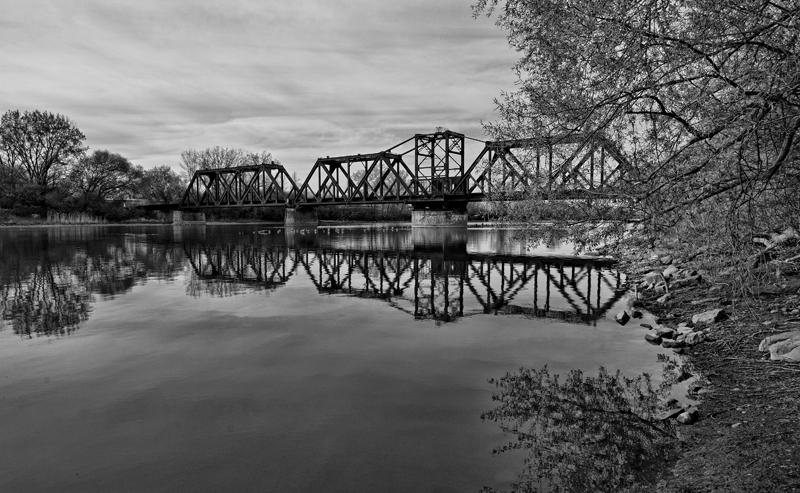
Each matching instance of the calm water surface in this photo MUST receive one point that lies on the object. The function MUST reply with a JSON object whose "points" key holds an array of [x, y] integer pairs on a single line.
{"points": [[211, 358]]}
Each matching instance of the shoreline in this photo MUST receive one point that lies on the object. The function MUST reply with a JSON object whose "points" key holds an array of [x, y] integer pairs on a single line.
{"points": [[747, 434], [323, 224]]}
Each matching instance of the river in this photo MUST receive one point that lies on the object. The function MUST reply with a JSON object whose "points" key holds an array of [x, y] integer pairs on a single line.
{"points": [[217, 358]]}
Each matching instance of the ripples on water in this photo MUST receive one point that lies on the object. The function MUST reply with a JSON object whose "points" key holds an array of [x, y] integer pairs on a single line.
{"points": [[252, 359]]}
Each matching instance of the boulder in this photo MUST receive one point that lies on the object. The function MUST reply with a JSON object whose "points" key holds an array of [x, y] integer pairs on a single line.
{"points": [[669, 271], [665, 332], [665, 260], [669, 344], [688, 417], [694, 338], [782, 347], [671, 414], [653, 278], [646, 326], [637, 314], [653, 339], [622, 317], [709, 317]]}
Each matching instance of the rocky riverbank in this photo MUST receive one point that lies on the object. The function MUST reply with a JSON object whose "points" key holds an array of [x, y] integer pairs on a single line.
{"points": [[716, 313]]}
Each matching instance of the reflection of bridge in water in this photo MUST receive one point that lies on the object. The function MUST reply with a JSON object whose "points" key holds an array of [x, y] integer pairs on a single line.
{"points": [[443, 284]]}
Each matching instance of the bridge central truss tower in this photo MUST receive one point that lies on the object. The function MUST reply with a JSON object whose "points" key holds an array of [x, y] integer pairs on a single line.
{"points": [[438, 162]]}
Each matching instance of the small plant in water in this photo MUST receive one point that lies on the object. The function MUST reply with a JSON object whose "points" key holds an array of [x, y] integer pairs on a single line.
{"points": [[583, 434]]}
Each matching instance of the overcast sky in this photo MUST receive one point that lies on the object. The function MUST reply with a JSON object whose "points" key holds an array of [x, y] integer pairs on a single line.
{"points": [[299, 78]]}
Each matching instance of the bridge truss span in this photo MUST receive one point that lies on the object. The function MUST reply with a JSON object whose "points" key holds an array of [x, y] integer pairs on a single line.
{"points": [[243, 186], [567, 167]]}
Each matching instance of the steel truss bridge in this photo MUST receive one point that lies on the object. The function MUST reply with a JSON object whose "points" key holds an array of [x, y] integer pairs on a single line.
{"points": [[570, 167], [426, 285]]}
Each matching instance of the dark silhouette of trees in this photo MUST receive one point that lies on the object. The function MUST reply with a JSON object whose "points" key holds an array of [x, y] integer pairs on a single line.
{"points": [[102, 176], [161, 185]]}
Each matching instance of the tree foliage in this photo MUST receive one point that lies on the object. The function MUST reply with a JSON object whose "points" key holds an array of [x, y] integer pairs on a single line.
{"points": [[702, 96], [162, 185], [101, 176], [40, 144]]}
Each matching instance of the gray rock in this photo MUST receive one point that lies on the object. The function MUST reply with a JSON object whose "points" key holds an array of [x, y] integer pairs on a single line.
{"points": [[665, 260], [653, 339], [646, 326], [622, 317], [669, 271], [637, 314], [688, 281], [671, 414], [694, 338], [688, 417], [709, 317], [665, 332], [782, 347], [653, 278]]}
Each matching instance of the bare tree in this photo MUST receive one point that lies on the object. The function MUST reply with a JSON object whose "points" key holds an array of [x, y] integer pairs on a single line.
{"points": [[221, 157], [703, 97], [40, 143]]}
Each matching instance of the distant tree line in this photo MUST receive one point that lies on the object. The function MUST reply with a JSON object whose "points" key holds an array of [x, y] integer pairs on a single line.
{"points": [[45, 166]]}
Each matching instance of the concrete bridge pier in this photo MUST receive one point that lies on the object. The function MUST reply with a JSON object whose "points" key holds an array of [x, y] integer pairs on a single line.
{"points": [[182, 217], [300, 217], [447, 215]]}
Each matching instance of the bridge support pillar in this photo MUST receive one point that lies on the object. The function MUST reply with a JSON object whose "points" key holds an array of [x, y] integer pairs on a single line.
{"points": [[181, 217], [448, 216], [299, 217]]}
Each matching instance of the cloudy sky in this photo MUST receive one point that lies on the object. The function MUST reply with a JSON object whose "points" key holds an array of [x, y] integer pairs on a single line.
{"points": [[300, 78]]}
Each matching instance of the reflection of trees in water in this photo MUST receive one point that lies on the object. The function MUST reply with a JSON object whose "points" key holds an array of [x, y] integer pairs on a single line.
{"points": [[583, 433], [47, 278], [48, 301]]}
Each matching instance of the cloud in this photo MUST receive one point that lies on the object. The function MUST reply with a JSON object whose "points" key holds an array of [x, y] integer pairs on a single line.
{"points": [[301, 79]]}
